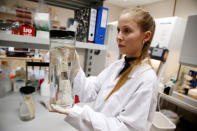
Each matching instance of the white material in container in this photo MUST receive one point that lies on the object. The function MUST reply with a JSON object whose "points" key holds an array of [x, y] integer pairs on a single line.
{"points": [[162, 123], [172, 116]]}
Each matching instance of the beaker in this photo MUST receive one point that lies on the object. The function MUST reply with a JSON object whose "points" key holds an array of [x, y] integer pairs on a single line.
{"points": [[27, 107], [62, 57]]}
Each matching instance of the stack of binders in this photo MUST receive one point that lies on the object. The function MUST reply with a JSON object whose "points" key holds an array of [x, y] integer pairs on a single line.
{"points": [[86, 18], [92, 25]]}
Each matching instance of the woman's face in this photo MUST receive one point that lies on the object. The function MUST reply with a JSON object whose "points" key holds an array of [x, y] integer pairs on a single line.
{"points": [[129, 38]]}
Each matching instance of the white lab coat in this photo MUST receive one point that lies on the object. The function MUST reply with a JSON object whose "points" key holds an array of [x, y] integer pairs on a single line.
{"points": [[131, 108]]}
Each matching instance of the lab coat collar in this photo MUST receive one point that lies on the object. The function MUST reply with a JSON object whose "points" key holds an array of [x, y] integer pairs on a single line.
{"points": [[140, 69]]}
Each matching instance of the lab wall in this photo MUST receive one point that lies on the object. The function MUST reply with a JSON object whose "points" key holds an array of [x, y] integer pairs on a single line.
{"points": [[160, 9], [186, 7], [165, 8], [114, 12]]}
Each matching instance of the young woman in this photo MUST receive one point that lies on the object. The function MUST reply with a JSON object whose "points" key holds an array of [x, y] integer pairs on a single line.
{"points": [[125, 92]]}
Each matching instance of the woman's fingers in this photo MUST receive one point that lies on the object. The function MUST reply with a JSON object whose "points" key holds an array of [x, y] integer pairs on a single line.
{"points": [[60, 109]]}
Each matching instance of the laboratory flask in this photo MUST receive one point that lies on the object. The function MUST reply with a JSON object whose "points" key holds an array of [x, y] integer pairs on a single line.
{"points": [[62, 58], [27, 107]]}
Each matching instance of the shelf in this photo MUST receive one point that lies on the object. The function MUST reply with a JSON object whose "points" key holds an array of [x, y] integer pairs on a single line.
{"points": [[90, 46], [8, 14], [20, 41], [20, 58], [23, 41], [55, 22]]}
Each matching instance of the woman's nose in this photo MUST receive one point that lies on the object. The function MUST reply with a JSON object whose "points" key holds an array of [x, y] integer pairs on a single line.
{"points": [[119, 36]]}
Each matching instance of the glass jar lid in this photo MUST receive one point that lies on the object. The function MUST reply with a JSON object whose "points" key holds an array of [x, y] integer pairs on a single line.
{"points": [[27, 90]]}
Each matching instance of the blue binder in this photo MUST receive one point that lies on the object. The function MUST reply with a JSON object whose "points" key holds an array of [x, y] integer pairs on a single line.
{"points": [[101, 23]]}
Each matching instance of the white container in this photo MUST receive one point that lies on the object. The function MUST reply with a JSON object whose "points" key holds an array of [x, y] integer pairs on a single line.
{"points": [[172, 116], [42, 34], [162, 123]]}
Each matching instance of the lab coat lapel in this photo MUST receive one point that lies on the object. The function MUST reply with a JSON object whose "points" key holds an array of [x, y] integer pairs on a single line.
{"points": [[138, 70], [115, 72]]}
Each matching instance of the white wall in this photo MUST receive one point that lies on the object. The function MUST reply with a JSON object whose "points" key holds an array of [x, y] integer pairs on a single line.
{"points": [[185, 8], [114, 12], [165, 8], [160, 9]]}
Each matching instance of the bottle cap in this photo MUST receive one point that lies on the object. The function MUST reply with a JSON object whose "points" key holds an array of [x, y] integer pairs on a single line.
{"points": [[27, 90], [76, 99]]}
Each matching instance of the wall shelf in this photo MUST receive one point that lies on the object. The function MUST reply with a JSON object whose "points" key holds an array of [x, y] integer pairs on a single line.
{"points": [[23, 41], [39, 43], [21, 58], [90, 46]]}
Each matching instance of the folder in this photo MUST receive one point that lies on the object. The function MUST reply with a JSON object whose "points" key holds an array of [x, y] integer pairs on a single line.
{"points": [[92, 25], [101, 23]]}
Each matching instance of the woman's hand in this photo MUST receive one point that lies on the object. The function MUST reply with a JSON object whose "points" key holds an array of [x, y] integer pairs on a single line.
{"points": [[59, 109]]}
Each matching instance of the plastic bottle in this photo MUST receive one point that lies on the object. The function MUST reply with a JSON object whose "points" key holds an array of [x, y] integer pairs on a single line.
{"points": [[170, 86], [5, 81]]}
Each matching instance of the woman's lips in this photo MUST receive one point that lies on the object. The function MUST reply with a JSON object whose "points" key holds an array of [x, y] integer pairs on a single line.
{"points": [[120, 46]]}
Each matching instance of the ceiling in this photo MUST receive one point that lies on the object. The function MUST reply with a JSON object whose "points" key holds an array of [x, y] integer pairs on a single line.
{"points": [[130, 3]]}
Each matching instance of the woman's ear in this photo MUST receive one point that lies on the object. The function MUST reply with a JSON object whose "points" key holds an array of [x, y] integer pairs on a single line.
{"points": [[147, 36]]}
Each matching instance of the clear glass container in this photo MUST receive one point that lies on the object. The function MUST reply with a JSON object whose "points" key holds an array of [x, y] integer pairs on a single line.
{"points": [[62, 57], [27, 107]]}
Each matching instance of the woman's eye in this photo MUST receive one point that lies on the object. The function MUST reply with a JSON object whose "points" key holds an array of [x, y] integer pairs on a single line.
{"points": [[118, 30], [126, 30]]}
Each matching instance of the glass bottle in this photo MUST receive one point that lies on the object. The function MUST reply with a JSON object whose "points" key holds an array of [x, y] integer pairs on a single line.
{"points": [[27, 107], [62, 55]]}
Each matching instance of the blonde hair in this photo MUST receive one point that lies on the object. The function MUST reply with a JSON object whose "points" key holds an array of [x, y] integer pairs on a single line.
{"points": [[146, 23]]}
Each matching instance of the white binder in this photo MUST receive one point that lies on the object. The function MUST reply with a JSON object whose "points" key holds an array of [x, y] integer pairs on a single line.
{"points": [[92, 24]]}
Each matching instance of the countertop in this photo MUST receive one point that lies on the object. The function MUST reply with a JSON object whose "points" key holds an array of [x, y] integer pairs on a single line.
{"points": [[43, 121]]}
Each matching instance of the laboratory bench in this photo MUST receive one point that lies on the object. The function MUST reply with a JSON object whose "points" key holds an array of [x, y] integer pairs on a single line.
{"points": [[181, 100], [44, 120], [186, 111]]}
